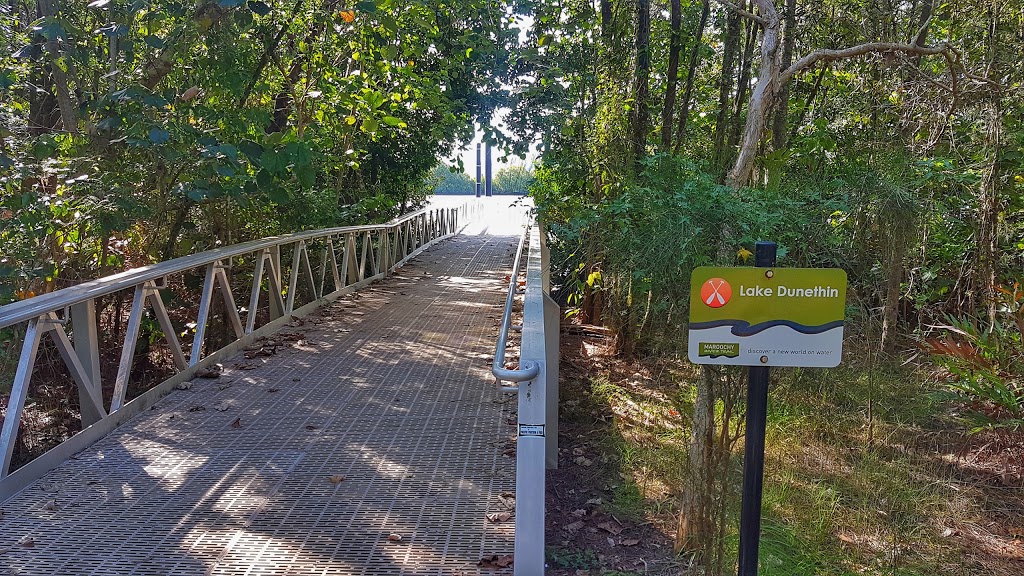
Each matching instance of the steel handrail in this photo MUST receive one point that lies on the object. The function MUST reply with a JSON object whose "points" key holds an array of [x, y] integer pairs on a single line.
{"points": [[382, 248], [24, 310], [528, 369]]}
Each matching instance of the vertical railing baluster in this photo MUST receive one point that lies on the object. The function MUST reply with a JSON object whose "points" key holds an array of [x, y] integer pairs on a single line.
{"points": [[131, 334], [293, 279], [19, 392], [229, 301], [362, 256], [338, 284], [160, 311], [89, 391], [349, 264], [322, 284], [254, 295], [87, 348]]}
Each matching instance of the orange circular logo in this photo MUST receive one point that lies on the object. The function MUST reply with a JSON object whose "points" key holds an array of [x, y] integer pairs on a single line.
{"points": [[716, 292]]}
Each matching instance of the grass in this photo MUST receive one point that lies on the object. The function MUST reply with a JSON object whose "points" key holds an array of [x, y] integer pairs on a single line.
{"points": [[848, 489]]}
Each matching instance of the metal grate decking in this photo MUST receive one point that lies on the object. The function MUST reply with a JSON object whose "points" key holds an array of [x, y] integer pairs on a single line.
{"points": [[388, 388]]}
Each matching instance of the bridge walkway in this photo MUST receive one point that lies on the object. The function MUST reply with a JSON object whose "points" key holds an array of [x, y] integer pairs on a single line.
{"points": [[366, 439]]}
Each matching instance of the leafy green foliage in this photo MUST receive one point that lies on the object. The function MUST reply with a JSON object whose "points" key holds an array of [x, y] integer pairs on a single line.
{"points": [[193, 125]]}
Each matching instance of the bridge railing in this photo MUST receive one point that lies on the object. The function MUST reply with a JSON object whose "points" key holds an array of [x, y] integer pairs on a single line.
{"points": [[322, 265], [536, 381]]}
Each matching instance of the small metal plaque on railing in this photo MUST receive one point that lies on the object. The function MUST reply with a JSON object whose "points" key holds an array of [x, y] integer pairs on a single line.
{"points": [[531, 430]]}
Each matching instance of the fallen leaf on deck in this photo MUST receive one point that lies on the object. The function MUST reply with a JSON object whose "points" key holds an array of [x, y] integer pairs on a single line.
{"points": [[183, 385], [222, 406], [498, 516], [612, 527], [197, 409], [210, 372], [395, 537], [27, 542], [508, 500], [336, 479], [50, 505], [273, 389], [237, 423], [310, 427], [495, 561]]}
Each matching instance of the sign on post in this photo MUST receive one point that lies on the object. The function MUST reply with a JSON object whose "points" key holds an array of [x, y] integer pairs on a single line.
{"points": [[767, 316], [762, 317]]}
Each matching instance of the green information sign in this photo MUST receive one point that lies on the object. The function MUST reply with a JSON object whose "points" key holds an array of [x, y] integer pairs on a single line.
{"points": [[767, 316]]}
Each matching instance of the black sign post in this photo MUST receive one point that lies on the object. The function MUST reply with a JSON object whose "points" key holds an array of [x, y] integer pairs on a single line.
{"points": [[753, 455]]}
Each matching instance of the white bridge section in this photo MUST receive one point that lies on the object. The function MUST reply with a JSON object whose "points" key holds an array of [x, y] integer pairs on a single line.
{"points": [[365, 436]]}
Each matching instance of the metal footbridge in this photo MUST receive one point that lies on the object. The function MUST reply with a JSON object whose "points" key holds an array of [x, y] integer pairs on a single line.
{"points": [[330, 409]]}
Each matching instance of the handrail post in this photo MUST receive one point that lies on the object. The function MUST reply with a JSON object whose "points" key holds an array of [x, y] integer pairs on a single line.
{"points": [[538, 411]]}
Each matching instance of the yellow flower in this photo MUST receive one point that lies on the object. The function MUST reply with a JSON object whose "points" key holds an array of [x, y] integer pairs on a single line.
{"points": [[744, 254], [348, 15]]}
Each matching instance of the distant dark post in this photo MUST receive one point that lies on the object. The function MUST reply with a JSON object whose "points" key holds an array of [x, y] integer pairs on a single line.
{"points": [[753, 456], [477, 169], [488, 171]]}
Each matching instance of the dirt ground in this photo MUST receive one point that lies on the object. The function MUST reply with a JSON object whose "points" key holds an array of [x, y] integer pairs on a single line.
{"points": [[588, 532]]}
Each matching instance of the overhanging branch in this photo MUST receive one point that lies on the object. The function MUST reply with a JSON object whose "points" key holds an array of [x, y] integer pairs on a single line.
{"points": [[828, 55], [744, 13]]}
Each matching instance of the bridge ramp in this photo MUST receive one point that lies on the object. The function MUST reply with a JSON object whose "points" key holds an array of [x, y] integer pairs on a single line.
{"points": [[312, 453]]}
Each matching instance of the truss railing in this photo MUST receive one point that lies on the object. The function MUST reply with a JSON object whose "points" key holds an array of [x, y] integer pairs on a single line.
{"points": [[536, 381], [349, 258]]}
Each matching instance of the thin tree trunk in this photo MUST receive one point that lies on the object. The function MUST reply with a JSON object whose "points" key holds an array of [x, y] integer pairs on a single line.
{"points": [[675, 44], [890, 307], [641, 86], [809, 102], [988, 209], [725, 87], [782, 111], [698, 41], [744, 83], [66, 101]]}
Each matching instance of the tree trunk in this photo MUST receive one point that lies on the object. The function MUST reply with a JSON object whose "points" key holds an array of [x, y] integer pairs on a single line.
{"points": [[988, 203], [698, 41], [695, 523], [160, 65], [66, 101], [744, 83], [782, 111], [641, 86], [890, 306], [675, 44], [809, 102], [763, 97], [725, 87]]}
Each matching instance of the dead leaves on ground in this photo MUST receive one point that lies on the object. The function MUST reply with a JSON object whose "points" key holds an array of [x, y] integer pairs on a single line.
{"points": [[336, 479], [498, 516], [495, 561], [237, 423], [508, 500], [612, 527], [213, 371]]}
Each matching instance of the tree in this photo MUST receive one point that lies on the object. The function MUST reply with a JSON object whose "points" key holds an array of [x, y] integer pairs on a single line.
{"points": [[444, 181], [513, 180]]}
